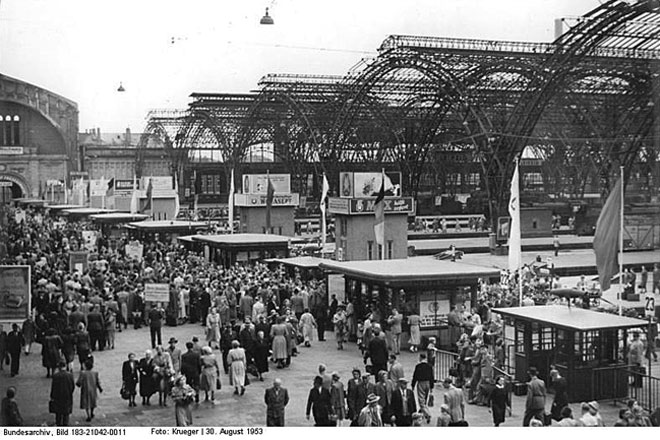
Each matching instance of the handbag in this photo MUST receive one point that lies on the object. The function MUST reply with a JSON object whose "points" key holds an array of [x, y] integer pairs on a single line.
{"points": [[52, 407]]}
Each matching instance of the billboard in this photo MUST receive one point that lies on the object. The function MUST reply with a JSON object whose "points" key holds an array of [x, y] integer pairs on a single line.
{"points": [[368, 184], [157, 292], [291, 199], [399, 205], [15, 295], [258, 183]]}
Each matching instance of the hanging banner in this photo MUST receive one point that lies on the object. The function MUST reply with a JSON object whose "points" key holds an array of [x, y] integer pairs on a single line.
{"points": [[15, 288], [157, 292]]}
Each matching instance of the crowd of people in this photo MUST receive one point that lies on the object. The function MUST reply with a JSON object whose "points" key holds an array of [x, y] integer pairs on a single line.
{"points": [[254, 318]]}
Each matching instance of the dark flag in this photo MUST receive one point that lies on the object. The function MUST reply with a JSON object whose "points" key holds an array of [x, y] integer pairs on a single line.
{"points": [[111, 188], [150, 189], [606, 240], [270, 193], [379, 211]]}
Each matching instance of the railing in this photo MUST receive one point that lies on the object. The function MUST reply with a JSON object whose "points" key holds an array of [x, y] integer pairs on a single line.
{"points": [[644, 389], [444, 360]]}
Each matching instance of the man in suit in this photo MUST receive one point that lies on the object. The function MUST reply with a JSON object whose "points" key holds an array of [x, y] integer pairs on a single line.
{"points": [[61, 393], [455, 400], [395, 327], [403, 404], [396, 369], [245, 305], [455, 326], [15, 342], [276, 399], [535, 404], [156, 316], [191, 367]]}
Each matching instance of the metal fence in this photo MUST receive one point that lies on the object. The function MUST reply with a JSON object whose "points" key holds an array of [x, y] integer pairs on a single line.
{"points": [[444, 361], [644, 389]]}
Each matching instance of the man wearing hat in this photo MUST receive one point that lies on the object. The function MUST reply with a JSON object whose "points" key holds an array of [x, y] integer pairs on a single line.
{"points": [[370, 415], [175, 354], [535, 404], [61, 393], [403, 404]]}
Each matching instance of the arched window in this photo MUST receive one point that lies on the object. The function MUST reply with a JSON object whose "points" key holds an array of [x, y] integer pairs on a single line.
{"points": [[16, 130], [6, 129], [2, 131]]}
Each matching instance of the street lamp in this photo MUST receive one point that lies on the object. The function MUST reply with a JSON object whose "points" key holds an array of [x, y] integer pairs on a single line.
{"points": [[266, 19], [121, 87]]}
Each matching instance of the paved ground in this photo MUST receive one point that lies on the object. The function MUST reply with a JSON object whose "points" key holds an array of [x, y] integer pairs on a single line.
{"points": [[228, 410]]}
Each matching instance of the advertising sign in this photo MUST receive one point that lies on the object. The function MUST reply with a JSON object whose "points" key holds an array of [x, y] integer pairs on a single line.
{"points": [[260, 199], [338, 205], [258, 183], [433, 311], [14, 293], [123, 186], [11, 150], [78, 261], [98, 187], [368, 184], [157, 292], [503, 228]]}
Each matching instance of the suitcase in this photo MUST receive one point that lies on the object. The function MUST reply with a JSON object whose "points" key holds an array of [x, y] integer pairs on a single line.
{"points": [[519, 389]]}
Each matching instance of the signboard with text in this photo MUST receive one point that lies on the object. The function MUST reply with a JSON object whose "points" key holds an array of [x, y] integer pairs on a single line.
{"points": [[248, 200], [157, 292], [134, 250], [11, 151], [78, 261], [15, 294], [402, 205]]}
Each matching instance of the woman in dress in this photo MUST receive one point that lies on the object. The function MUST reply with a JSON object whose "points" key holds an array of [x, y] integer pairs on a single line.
{"points": [[339, 321], [415, 340], [307, 326], [89, 383], [68, 347], [278, 336], [130, 378], [237, 363], [182, 395], [50, 351], [213, 328], [148, 385], [499, 401], [210, 373], [163, 371], [261, 349]]}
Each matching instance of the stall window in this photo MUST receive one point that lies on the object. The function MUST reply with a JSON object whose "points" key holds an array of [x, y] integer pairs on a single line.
{"points": [[390, 245], [380, 251], [370, 250]]}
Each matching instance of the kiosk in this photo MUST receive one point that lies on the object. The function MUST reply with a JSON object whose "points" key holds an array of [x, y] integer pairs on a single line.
{"points": [[253, 204], [586, 346], [165, 231], [430, 288], [227, 250]]}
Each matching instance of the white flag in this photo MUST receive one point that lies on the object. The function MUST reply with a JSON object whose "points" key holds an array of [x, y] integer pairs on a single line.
{"points": [[324, 194], [177, 205], [230, 202], [514, 227]]}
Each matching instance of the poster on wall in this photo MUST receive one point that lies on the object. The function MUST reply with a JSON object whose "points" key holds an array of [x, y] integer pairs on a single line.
{"points": [[15, 295], [433, 311], [78, 261], [157, 292], [258, 183], [368, 184]]}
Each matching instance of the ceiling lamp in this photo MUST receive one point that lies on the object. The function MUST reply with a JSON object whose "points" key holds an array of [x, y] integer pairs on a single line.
{"points": [[121, 87], [266, 19]]}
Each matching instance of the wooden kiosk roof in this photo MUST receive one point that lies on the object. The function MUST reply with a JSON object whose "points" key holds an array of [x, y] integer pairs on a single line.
{"points": [[301, 262], [85, 211], [576, 319], [410, 270], [243, 240], [118, 217], [167, 225]]}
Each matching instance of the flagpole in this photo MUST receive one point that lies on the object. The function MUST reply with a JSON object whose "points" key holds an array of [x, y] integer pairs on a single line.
{"points": [[382, 184], [323, 220], [520, 279], [620, 295]]}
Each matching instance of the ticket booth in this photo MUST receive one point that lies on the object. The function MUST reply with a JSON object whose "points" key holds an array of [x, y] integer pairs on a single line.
{"points": [[586, 346]]}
